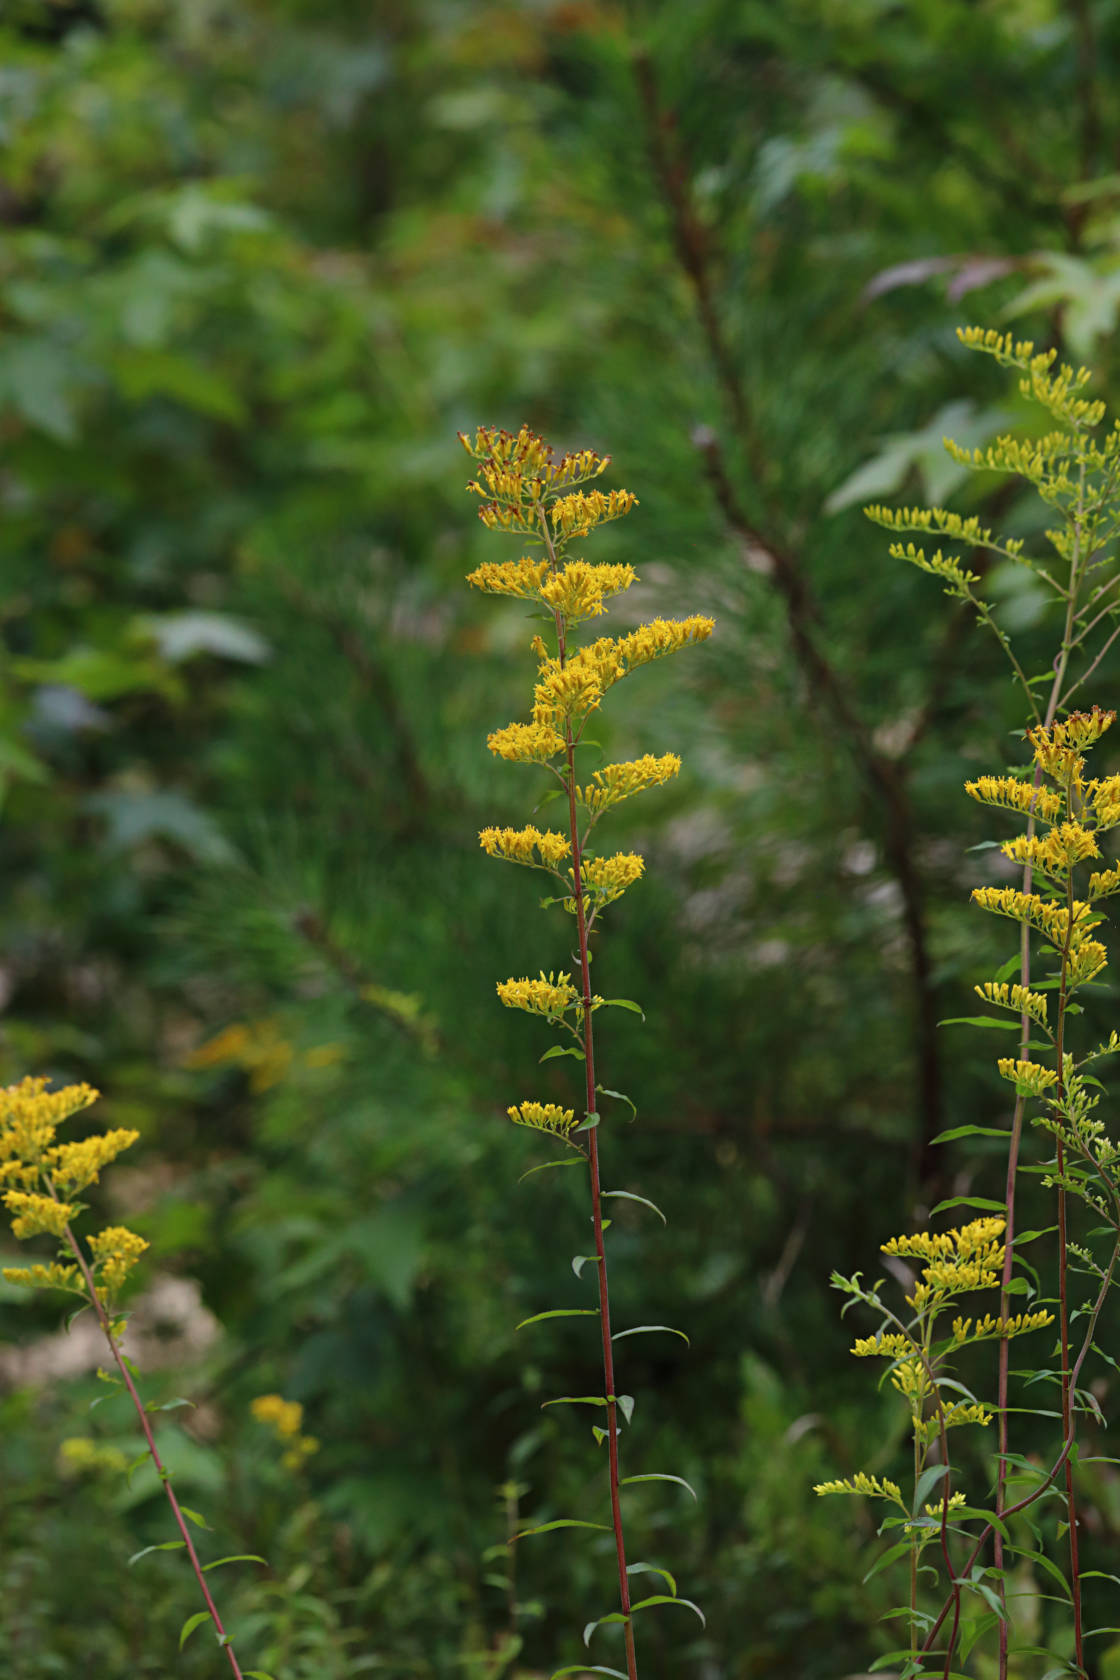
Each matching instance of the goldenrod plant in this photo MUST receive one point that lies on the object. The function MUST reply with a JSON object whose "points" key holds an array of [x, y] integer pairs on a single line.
{"points": [[972, 1554], [544, 503], [44, 1180]]}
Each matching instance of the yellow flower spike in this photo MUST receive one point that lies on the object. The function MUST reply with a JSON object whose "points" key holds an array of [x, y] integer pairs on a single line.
{"points": [[662, 636], [1016, 998], [1055, 853], [1014, 795], [615, 782], [35, 1215], [116, 1251], [1051, 919], [578, 591], [74, 1165], [551, 995], [526, 845], [30, 1114], [543, 1117], [521, 578], [525, 743], [888, 1344], [1086, 961], [1028, 1078], [579, 513], [606, 879], [45, 1277], [869, 1486]]}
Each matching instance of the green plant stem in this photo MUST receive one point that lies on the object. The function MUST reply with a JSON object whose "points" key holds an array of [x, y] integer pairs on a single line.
{"points": [[141, 1412], [593, 1159]]}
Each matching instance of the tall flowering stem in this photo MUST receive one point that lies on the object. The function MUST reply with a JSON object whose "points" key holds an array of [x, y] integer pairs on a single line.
{"points": [[1077, 474], [529, 492], [42, 1178]]}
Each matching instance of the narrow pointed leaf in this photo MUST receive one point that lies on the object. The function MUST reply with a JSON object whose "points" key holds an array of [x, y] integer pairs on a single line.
{"points": [[190, 1624], [562, 1050], [659, 1476], [652, 1569], [164, 1546], [984, 1203], [615, 1616], [239, 1557], [560, 1312], [647, 1330], [926, 1483], [576, 1400], [663, 1598], [195, 1517], [629, 1196], [603, 1091], [560, 1522], [545, 1166], [588, 1125], [582, 1668], [624, 1003]]}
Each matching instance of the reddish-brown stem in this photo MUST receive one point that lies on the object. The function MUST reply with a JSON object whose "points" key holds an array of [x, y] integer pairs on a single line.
{"points": [[596, 1183], [150, 1440], [1063, 1297]]}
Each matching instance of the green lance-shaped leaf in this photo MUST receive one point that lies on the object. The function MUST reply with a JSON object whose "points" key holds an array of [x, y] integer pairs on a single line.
{"points": [[629, 1196], [648, 1330], [659, 1476], [582, 1668], [926, 1483], [570, 1050], [621, 1096], [560, 1522], [238, 1557], [195, 1517], [164, 1546], [663, 1598], [560, 1312], [615, 1616], [190, 1624], [623, 1003], [546, 1166], [588, 1125], [653, 1569]]}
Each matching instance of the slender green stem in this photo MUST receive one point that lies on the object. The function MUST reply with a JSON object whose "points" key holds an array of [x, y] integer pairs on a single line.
{"points": [[150, 1440], [593, 1159]]}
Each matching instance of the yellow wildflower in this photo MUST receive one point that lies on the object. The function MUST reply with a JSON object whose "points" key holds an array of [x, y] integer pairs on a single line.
{"points": [[615, 782], [579, 513], [1104, 882], [543, 1117], [521, 578], [1079, 730], [54, 1276], [606, 879], [1049, 918], [74, 1165], [36, 1215], [1016, 796], [1028, 1078], [30, 1115], [526, 845], [888, 1344], [1055, 853], [116, 1251], [285, 1416], [995, 1328], [1104, 796], [551, 995], [578, 591], [525, 743], [662, 636], [869, 1486], [1015, 998]]}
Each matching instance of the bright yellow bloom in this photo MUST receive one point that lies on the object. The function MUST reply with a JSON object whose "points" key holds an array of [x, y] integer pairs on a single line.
{"points": [[1015, 998], [1016, 796], [1027, 1077], [74, 1165], [578, 591], [662, 636], [116, 1251], [35, 1215], [1075, 733], [543, 1117], [606, 879], [551, 995], [579, 513], [1086, 961], [521, 578], [615, 782], [1056, 853], [1049, 918], [1104, 882], [1104, 796], [30, 1116], [526, 743], [869, 1486], [526, 845], [888, 1344], [991, 1328], [45, 1277], [285, 1416]]}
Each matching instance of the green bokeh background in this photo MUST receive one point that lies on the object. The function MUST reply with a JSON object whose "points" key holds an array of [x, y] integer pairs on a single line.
{"points": [[259, 261]]}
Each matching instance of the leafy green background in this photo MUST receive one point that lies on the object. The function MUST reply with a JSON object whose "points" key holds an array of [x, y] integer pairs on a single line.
{"points": [[260, 259]]}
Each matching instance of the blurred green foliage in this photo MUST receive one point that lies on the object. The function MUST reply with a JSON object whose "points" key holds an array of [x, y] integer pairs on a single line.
{"points": [[259, 260]]}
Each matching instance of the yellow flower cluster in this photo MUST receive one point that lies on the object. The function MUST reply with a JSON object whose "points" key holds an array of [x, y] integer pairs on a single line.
{"points": [[578, 591], [116, 1251], [579, 513], [531, 457], [526, 845], [551, 995], [30, 1115], [1028, 1078], [285, 1417], [943, 566], [956, 1261], [1104, 796], [260, 1047], [74, 1165], [543, 1117], [34, 1215], [45, 1277], [525, 743], [567, 692], [615, 782], [606, 879], [888, 1344], [522, 578], [1055, 853], [911, 1379], [1075, 733], [991, 1328], [1016, 998], [870, 1486], [1049, 918], [1104, 882], [576, 688], [1015, 795]]}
